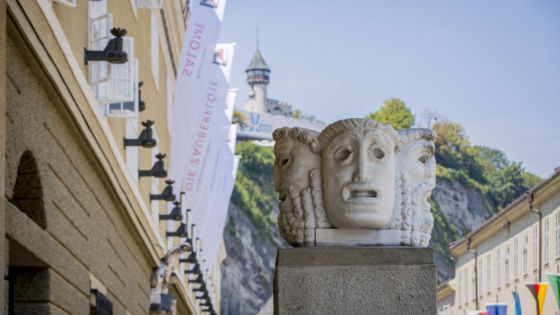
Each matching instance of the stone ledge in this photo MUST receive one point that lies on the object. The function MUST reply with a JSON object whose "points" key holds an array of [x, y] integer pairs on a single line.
{"points": [[378, 255]]}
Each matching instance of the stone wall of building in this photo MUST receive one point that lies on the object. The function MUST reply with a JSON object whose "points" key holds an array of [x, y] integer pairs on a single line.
{"points": [[67, 231]]}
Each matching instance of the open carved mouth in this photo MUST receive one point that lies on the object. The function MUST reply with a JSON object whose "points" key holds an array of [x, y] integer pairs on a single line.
{"points": [[360, 194], [363, 193]]}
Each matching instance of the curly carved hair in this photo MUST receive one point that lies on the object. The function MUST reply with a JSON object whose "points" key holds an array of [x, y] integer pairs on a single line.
{"points": [[305, 136], [351, 125]]}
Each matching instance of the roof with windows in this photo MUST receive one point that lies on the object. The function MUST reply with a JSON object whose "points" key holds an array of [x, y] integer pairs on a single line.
{"points": [[511, 212], [257, 63]]}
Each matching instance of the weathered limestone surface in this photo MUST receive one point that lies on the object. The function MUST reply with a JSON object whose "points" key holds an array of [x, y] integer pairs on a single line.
{"points": [[358, 280], [358, 182]]}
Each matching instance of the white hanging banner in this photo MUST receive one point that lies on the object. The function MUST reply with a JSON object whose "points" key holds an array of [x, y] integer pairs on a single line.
{"points": [[230, 103], [195, 93], [207, 171], [214, 223]]}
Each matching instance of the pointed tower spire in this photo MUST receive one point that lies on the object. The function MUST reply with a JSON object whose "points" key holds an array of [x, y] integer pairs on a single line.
{"points": [[257, 71]]}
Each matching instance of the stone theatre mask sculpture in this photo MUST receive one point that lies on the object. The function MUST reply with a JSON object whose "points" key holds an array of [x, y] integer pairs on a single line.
{"points": [[358, 182]]}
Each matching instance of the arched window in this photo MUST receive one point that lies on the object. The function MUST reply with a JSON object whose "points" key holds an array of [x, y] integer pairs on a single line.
{"points": [[28, 192]]}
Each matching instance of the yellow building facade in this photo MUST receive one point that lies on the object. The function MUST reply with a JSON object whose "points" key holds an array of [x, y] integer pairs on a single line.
{"points": [[518, 246], [81, 231]]}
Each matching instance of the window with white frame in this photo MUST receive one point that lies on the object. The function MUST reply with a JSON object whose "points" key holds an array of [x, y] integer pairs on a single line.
{"points": [[149, 4], [473, 283], [466, 285], [480, 273], [459, 284], [557, 234], [488, 272], [498, 269], [535, 248], [154, 185], [525, 254], [506, 265], [515, 259], [114, 85], [169, 101], [120, 94], [70, 3], [546, 247], [99, 34], [131, 132], [154, 48], [134, 9]]}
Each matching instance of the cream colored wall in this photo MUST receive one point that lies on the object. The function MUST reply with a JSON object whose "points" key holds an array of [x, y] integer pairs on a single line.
{"points": [[138, 26], [74, 26], [503, 293], [87, 231]]}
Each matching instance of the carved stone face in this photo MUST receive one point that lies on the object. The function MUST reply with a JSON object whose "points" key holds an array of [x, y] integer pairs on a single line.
{"points": [[417, 159], [294, 161], [359, 178]]}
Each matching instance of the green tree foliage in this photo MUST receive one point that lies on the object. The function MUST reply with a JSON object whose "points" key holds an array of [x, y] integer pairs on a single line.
{"points": [[481, 167], [394, 112], [254, 186], [495, 157], [238, 118], [297, 114], [506, 184], [453, 150]]}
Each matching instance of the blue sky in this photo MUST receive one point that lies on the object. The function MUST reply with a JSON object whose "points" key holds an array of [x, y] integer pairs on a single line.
{"points": [[493, 66]]}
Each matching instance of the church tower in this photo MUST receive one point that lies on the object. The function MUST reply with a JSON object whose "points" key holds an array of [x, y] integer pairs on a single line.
{"points": [[258, 78]]}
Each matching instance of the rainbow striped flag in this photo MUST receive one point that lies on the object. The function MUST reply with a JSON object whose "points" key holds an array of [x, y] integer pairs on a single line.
{"points": [[539, 292]]}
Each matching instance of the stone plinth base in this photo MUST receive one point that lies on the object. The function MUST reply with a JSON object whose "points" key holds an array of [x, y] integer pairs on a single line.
{"points": [[359, 280]]}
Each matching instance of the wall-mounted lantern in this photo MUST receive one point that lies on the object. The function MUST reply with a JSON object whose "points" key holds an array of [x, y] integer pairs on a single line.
{"points": [[204, 297], [175, 213], [181, 231], [191, 259], [112, 53], [201, 288], [166, 194], [199, 279], [141, 103], [210, 310], [195, 270], [157, 170], [145, 139]]}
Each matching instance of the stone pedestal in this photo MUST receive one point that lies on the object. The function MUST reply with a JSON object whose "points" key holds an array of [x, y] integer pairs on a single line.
{"points": [[359, 280]]}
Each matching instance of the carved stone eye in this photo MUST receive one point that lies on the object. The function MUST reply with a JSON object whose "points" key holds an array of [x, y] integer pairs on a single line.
{"points": [[342, 154], [378, 153], [423, 158], [284, 161]]}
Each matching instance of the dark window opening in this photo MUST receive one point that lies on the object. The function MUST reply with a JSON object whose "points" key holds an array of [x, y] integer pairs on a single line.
{"points": [[28, 192]]}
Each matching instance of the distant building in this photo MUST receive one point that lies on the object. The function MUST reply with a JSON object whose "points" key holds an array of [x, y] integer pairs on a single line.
{"points": [[262, 114], [258, 77], [502, 255]]}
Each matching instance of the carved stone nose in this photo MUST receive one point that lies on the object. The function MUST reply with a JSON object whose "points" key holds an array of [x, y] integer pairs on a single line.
{"points": [[361, 173], [359, 177]]}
